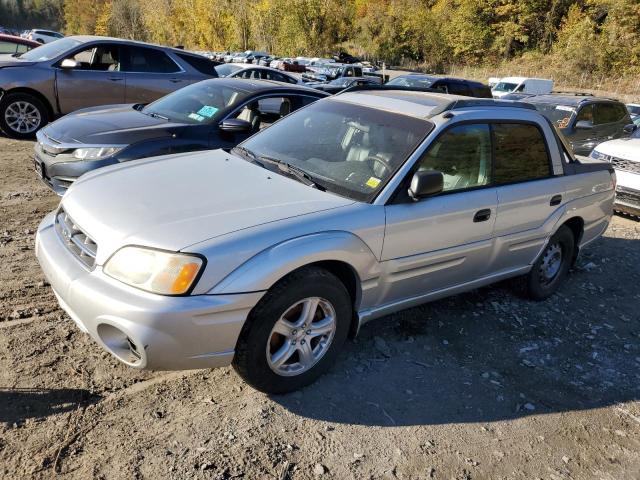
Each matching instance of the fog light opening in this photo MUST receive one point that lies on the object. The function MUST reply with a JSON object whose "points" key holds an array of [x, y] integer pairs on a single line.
{"points": [[119, 344]]}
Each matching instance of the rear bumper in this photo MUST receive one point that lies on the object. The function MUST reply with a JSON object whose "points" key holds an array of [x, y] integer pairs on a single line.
{"points": [[141, 329]]}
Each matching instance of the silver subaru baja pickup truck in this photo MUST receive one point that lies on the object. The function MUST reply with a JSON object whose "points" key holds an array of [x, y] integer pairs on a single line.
{"points": [[356, 206]]}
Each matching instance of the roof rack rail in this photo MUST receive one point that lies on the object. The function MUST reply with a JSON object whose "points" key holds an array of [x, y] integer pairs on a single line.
{"points": [[575, 94]]}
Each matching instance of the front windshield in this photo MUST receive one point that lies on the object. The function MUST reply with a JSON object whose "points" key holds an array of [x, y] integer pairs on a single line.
{"points": [[559, 115], [348, 149], [416, 82], [226, 69], [505, 87], [634, 109], [202, 102], [51, 50]]}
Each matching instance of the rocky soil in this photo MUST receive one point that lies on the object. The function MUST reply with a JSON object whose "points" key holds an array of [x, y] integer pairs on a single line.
{"points": [[484, 385]]}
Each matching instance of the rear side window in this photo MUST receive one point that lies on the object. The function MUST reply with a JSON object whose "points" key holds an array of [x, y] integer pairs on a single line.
{"points": [[459, 88], [201, 64], [608, 113], [520, 153], [148, 60]]}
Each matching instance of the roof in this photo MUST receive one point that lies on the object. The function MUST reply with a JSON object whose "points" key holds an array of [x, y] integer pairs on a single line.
{"points": [[572, 100], [93, 38], [252, 86], [439, 77], [420, 104]]}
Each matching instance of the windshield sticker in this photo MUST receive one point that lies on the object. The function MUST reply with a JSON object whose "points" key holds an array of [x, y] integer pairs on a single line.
{"points": [[373, 182], [563, 122], [207, 111], [565, 108], [196, 117]]}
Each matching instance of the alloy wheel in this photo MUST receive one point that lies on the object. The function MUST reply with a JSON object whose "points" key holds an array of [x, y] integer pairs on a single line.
{"points": [[22, 117], [301, 336]]}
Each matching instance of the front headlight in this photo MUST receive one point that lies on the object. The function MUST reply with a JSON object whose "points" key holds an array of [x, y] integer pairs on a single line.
{"points": [[153, 270], [95, 153]]}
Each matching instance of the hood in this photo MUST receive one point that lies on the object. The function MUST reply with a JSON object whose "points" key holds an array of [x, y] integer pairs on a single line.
{"points": [[175, 201], [626, 148], [9, 61], [112, 124]]}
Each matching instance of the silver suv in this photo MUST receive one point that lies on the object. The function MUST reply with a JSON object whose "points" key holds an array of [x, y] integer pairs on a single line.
{"points": [[347, 210], [85, 71]]}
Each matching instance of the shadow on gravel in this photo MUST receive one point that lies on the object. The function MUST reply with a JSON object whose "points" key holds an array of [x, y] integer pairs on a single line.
{"points": [[490, 355], [19, 404]]}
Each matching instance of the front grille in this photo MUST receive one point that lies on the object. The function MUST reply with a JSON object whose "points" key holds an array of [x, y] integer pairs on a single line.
{"points": [[628, 196], [78, 242], [625, 165]]}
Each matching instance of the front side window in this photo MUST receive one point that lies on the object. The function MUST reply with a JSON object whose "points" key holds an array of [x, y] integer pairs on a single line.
{"points": [[98, 57], [351, 150], [520, 153], [463, 155], [148, 60], [585, 114]]}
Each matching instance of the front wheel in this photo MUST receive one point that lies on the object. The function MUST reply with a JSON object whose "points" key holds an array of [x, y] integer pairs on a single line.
{"points": [[22, 115], [295, 332], [551, 268]]}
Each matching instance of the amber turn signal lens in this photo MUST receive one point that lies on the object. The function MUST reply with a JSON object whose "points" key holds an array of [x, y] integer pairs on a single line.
{"points": [[185, 278]]}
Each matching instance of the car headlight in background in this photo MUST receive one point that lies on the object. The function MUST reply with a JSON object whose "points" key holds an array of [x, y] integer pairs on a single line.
{"points": [[155, 271], [96, 153]]}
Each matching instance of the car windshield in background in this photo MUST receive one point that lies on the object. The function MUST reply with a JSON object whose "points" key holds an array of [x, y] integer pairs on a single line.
{"points": [[416, 82], [559, 115], [49, 51], [636, 133], [505, 87], [634, 109], [226, 69], [347, 149], [201, 102], [343, 81]]}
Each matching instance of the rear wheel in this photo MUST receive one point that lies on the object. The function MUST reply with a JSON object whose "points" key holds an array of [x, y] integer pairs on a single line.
{"points": [[551, 268], [22, 115], [295, 332]]}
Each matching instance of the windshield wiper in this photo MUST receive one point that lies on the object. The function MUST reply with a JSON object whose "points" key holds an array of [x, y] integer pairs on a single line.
{"points": [[157, 115], [244, 152], [293, 171]]}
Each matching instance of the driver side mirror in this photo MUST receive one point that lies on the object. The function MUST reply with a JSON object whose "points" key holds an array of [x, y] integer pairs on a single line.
{"points": [[632, 127], [68, 64], [584, 125], [425, 184], [236, 125]]}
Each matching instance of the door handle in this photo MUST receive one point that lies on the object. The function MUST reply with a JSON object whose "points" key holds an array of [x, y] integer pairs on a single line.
{"points": [[175, 80], [115, 79], [555, 200], [482, 215]]}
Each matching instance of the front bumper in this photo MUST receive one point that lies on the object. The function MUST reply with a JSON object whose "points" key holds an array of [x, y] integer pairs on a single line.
{"points": [[142, 329], [627, 201]]}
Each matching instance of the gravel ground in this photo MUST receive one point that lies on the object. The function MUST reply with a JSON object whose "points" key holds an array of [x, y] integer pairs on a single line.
{"points": [[484, 385]]}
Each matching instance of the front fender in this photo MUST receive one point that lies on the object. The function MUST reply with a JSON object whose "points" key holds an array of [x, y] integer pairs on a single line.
{"points": [[264, 269]]}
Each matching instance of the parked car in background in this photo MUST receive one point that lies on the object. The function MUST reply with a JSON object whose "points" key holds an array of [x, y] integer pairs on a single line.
{"points": [[455, 86], [357, 206], [217, 113], [584, 120], [537, 86], [340, 84], [85, 71], [624, 156], [256, 72], [43, 36], [12, 45], [634, 110], [290, 65]]}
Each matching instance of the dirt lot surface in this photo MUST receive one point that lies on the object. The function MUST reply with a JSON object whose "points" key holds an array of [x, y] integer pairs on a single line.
{"points": [[480, 386]]}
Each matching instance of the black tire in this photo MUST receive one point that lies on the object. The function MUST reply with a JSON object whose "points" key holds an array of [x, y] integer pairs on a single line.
{"points": [[11, 99], [250, 360], [540, 283]]}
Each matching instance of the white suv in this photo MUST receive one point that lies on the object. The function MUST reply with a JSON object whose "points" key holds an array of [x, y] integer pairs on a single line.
{"points": [[44, 36]]}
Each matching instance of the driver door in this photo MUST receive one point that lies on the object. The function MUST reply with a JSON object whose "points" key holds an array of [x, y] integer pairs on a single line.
{"points": [[96, 81], [444, 240]]}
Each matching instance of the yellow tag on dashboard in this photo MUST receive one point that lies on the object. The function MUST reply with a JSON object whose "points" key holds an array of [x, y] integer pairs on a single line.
{"points": [[373, 182]]}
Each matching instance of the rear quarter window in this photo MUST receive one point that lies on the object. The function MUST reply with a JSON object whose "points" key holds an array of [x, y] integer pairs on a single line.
{"points": [[201, 64], [520, 153]]}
